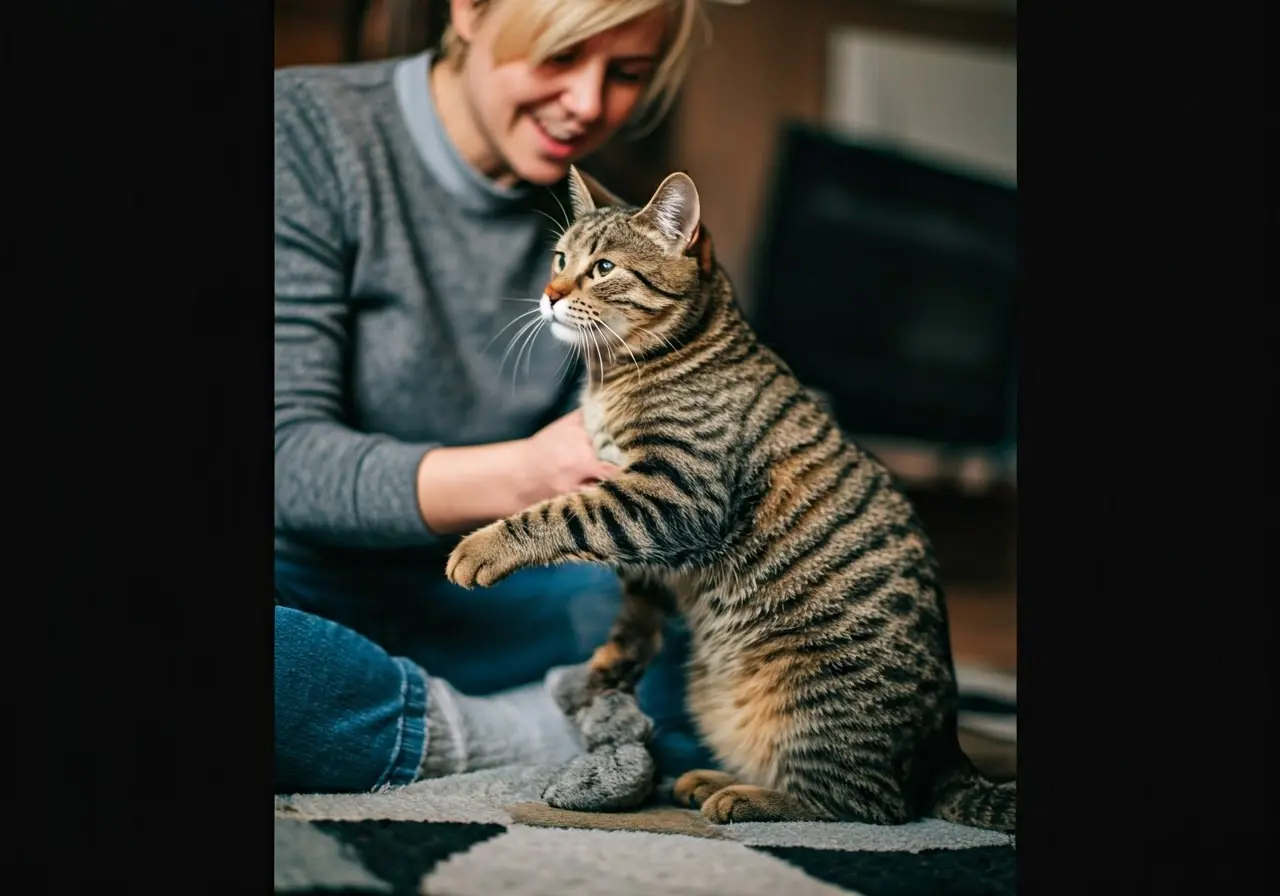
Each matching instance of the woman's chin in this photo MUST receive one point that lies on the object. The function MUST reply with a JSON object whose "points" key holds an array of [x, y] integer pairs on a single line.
{"points": [[534, 168], [533, 164]]}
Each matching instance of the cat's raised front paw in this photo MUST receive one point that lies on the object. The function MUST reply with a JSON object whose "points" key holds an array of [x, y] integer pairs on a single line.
{"points": [[483, 558]]}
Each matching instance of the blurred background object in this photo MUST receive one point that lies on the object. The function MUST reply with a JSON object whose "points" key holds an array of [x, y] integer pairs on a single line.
{"points": [[857, 164]]}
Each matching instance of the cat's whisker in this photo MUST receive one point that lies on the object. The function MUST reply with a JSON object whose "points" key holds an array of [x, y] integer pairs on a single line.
{"points": [[623, 342], [516, 345], [567, 222], [514, 340], [526, 333], [567, 364], [528, 344], [656, 338], [599, 354], [578, 358], [515, 299], [516, 320], [528, 358], [582, 344], [613, 356], [560, 231]]}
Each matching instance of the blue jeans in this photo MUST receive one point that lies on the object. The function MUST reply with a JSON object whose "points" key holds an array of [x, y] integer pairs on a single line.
{"points": [[353, 647]]}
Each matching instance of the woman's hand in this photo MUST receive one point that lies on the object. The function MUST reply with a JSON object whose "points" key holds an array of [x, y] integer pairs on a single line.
{"points": [[559, 459], [464, 488]]}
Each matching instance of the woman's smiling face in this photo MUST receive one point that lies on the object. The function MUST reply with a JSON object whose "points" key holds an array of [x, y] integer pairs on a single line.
{"points": [[532, 121]]}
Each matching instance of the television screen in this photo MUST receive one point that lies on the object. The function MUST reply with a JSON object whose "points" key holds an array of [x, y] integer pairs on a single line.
{"points": [[887, 282]]}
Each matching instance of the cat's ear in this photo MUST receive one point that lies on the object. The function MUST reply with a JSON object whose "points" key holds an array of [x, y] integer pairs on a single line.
{"points": [[673, 213], [587, 194], [579, 193]]}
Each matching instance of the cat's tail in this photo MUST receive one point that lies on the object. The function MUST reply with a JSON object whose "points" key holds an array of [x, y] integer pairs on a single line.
{"points": [[964, 796]]}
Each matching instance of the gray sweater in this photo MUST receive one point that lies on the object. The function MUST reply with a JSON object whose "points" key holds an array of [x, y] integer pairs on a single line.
{"points": [[396, 265]]}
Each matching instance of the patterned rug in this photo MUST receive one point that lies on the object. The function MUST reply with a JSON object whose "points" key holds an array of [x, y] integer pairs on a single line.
{"points": [[488, 833]]}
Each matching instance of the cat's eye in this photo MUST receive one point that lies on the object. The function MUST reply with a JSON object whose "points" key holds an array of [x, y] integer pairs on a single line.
{"points": [[559, 261], [603, 266]]}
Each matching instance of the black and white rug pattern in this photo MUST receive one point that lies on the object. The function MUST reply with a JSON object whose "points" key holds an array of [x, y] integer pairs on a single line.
{"points": [[988, 702], [488, 833]]}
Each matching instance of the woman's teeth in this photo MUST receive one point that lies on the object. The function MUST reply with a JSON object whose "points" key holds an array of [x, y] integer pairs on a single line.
{"points": [[556, 133]]}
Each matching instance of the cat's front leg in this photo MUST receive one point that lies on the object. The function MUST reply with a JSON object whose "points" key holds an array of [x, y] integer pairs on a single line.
{"points": [[485, 557], [543, 535], [646, 516]]}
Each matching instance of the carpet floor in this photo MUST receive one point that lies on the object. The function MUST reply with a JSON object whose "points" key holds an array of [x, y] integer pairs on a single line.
{"points": [[488, 832]]}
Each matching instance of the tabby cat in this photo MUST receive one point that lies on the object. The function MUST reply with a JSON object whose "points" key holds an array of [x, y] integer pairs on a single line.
{"points": [[821, 674]]}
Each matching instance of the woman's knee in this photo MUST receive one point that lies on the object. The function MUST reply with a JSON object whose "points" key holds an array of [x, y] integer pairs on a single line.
{"points": [[348, 716]]}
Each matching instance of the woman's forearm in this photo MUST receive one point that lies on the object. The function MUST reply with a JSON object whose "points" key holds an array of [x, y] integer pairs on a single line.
{"points": [[463, 488]]}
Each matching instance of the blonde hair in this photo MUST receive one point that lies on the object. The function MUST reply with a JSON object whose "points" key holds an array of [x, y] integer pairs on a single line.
{"points": [[536, 30]]}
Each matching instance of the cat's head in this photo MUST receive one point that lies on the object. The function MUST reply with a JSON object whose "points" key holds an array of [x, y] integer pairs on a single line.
{"points": [[626, 279]]}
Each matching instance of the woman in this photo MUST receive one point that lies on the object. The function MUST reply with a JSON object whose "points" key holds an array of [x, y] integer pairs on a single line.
{"points": [[412, 207]]}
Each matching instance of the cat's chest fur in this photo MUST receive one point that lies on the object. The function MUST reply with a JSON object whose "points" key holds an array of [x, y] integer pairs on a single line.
{"points": [[596, 421]]}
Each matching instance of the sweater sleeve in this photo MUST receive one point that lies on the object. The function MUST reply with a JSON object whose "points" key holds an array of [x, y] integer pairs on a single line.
{"points": [[333, 484]]}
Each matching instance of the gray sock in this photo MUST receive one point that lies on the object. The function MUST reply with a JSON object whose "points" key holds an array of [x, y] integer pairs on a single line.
{"points": [[465, 734], [618, 772]]}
